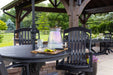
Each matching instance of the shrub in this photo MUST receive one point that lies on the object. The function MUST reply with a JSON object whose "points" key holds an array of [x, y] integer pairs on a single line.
{"points": [[110, 26], [106, 26], [103, 27], [95, 29], [2, 25]]}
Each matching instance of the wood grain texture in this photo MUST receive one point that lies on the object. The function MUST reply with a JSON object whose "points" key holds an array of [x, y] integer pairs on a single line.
{"points": [[54, 52]]}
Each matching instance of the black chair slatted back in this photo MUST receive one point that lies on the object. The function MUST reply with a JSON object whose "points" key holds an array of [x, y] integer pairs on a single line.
{"points": [[108, 35], [24, 36], [3, 70], [77, 39]]}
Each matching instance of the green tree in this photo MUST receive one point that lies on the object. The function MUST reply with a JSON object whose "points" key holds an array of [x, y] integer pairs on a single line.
{"points": [[10, 25], [42, 23], [3, 26], [59, 19], [27, 21]]}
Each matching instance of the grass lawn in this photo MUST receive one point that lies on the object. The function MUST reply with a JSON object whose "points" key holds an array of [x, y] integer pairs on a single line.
{"points": [[7, 39]]}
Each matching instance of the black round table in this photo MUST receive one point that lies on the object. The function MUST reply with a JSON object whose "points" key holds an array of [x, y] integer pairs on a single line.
{"points": [[103, 51], [22, 53]]}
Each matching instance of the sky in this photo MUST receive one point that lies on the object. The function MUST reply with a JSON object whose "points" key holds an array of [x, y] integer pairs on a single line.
{"points": [[5, 2]]}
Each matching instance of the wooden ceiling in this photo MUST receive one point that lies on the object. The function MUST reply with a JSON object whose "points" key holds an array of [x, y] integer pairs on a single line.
{"points": [[99, 6], [93, 7], [20, 4]]}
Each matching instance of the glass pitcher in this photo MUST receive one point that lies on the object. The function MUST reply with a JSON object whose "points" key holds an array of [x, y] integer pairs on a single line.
{"points": [[55, 39]]}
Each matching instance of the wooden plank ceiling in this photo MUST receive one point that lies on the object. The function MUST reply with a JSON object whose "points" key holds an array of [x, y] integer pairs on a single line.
{"points": [[99, 6], [20, 3], [94, 6]]}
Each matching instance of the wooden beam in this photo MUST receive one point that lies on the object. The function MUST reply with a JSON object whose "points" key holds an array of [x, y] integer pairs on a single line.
{"points": [[100, 10], [66, 5], [82, 6], [77, 10], [84, 18], [52, 3], [9, 14], [55, 3], [27, 3], [71, 4], [88, 16], [47, 9], [18, 16], [58, 3], [24, 15]]}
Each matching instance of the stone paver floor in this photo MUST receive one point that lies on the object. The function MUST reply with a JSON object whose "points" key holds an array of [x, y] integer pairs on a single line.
{"points": [[105, 64]]}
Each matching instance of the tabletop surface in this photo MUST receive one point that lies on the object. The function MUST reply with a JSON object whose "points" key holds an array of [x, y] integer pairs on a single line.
{"points": [[22, 53]]}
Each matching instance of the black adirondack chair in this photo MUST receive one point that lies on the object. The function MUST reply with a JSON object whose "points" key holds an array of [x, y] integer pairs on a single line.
{"points": [[92, 45], [3, 70], [107, 45], [24, 36], [77, 61]]}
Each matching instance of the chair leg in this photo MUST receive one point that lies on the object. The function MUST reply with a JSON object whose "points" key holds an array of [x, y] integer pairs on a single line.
{"points": [[82, 73], [93, 50], [104, 52], [89, 73], [23, 71], [27, 69], [69, 73], [111, 50]]}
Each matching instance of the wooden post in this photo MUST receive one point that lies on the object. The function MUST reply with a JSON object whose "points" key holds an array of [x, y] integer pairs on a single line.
{"points": [[18, 16], [74, 10], [71, 4], [18, 20]]}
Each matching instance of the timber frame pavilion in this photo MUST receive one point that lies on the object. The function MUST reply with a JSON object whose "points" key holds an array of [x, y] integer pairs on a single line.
{"points": [[76, 9]]}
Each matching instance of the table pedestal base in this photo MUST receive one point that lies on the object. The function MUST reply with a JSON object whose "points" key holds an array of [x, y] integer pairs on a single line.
{"points": [[32, 68]]}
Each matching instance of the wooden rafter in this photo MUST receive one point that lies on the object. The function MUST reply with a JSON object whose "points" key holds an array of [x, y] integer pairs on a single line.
{"points": [[24, 15], [47, 9], [58, 3], [100, 10], [55, 3], [51, 2], [84, 18], [9, 14], [66, 5], [82, 6]]}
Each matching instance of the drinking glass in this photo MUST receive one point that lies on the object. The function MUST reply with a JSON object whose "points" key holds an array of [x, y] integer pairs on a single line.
{"points": [[39, 44]]}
